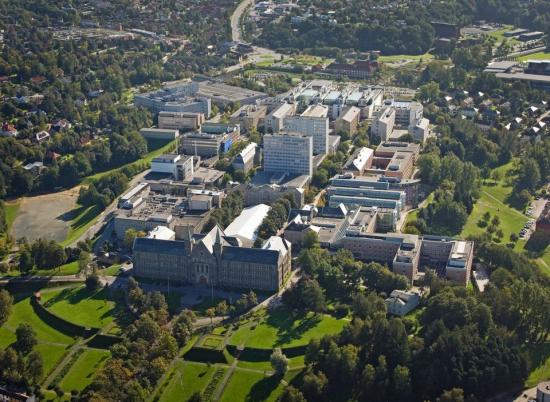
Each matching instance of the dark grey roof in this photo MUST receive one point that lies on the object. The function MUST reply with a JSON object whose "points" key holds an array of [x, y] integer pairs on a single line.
{"points": [[171, 247], [258, 255]]}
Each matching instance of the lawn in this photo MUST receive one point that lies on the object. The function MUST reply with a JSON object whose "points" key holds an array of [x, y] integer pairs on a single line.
{"points": [[403, 57], [493, 200], [186, 379], [293, 363], [251, 386], [78, 305], [70, 268], [23, 313], [280, 328], [83, 370], [413, 215], [84, 218], [540, 360], [113, 270], [51, 356], [7, 337], [11, 209], [536, 56]]}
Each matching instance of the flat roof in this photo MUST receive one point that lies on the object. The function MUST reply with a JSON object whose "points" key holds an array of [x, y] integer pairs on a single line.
{"points": [[229, 92], [524, 77]]}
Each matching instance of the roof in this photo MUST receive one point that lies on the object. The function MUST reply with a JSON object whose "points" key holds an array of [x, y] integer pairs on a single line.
{"points": [[215, 236], [253, 255], [247, 223], [170, 247], [278, 244], [161, 233], [315, 111]]}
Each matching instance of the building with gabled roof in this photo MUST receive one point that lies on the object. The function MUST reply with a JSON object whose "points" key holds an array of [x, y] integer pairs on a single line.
{"points": [[215, 259]]}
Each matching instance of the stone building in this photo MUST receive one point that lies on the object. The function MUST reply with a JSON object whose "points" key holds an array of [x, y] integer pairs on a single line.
{"points": [[214, 259]]}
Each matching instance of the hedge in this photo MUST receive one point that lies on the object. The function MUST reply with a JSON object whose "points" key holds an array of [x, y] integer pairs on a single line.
{"points": [[205, 355], [103, 341], [260, 355]]}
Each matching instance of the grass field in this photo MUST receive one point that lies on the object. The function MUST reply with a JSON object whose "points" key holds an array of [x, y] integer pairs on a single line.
{"points": [[252, 386], [7, 337], [536, 56], [293, 363], [113, 270], [84, 218], [493, 200], [51, 356], [70, 268], [281, 329], [11, 209], [78, 305], [187, 378], [23, 312], [212, 342], [405, 57], [83, 370]]}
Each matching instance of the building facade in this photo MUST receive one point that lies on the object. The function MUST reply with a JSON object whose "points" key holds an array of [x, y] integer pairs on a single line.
{"points": [[288, 153], [214, 260]]}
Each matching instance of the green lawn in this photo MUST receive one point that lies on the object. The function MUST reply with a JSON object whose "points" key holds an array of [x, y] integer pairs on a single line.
{"points": [[113, 270], [7, 337], [78, 305], [413, 215], [83, 370], [84, 218], [187, 378], [400, 57], [280, 329], [251, 386], [293, 363], [70, 268], [536, 56], [540, 361], [23, 312], [11, 209], [51, 356], [212, 342], [493, 200]]}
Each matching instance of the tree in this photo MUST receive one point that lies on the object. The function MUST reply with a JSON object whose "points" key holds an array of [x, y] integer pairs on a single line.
{"points": [[314, 385], [429, 92], [313, 296], [311, 239], [26, 262], [279, 362], [452, 395], [291, 394], [182, 327], [222, 308], [93, 282], [196, 397], [529, 175], [26, 338], [6, 303], [84, 260], [129, 237], [211, 313], [34, 367]]}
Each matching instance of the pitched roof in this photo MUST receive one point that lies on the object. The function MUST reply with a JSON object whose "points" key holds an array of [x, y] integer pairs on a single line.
{"points": [[255, 255], [170, 247]]}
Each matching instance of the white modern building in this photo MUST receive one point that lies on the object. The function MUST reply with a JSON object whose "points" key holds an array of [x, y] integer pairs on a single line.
{"points": [[245, 159], [159, 133], [383, 123], [179, 166], [245, 226], [288, 153]]}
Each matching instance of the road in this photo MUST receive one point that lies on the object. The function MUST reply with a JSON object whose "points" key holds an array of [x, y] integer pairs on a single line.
{"points": [[105, 216], [259, 53]]}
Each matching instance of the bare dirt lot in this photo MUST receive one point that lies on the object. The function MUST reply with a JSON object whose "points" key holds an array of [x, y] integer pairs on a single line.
{"points": [[46, 216]]}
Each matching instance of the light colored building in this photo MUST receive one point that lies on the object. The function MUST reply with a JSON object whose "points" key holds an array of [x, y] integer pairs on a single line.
{"points": [[245, 159], [214, 259], [288, 153], [383, 124], [162, 233], [249, 116], [420, 131], [314, 123], [245, 226], [180, 120], [201, 144], [159, 133], [543, 392], [274, 120], [402, 302], [359, 161], [179, 166], [348, 121]]}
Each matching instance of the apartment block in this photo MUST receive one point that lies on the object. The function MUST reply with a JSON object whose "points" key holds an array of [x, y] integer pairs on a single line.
{"points": [[180, 120], [383, 124], [249, 117], [312, 122], [274, 120], [348, 121]]}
